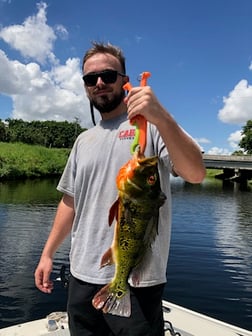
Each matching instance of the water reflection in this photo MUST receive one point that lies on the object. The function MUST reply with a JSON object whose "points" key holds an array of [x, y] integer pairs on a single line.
{"points": [[234, 240], [26, 213], [23, 233], [209, 267], [29, 191]]}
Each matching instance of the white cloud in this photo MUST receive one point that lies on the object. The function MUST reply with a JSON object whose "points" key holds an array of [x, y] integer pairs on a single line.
{"points": [[61, 31], [218, 151], [34, 38], [138, 38], [238, 105], [234, 140], [203, 140], [9, 81], [56, 93], [69, 76]]}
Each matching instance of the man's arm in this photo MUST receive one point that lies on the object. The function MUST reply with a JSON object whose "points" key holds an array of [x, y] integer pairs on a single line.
{"points": [[61, 228], [184, 153]]}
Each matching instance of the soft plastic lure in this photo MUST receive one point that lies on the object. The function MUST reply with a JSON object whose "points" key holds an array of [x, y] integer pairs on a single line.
{"points": [[139, 121]]}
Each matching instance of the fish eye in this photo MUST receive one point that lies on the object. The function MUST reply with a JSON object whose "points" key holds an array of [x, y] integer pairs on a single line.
{"points": [[152, 179]]}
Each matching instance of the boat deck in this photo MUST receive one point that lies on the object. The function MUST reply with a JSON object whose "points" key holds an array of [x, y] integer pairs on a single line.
{"points": [[179, 321]]}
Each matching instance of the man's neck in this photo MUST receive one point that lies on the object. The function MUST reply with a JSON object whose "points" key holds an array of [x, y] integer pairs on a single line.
{"points": [[122, 108]]}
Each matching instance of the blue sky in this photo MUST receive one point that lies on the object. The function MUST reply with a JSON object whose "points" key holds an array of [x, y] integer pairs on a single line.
{"points": [[199, 53]]}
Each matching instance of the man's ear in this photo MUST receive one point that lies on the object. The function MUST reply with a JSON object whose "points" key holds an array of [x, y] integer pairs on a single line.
{"points": [[125, 79]]}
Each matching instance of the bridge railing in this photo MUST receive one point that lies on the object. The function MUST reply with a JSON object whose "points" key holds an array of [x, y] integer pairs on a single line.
{"points": [[228, 161]]}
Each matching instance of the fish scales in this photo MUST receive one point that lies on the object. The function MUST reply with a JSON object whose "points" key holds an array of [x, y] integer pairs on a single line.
{"points": [[136, 212]]}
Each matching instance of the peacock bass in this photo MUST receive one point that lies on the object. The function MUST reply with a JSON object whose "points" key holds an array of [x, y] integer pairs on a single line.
{"points": [[136, 211]]}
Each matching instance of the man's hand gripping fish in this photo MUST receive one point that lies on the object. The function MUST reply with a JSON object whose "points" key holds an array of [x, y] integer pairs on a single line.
{"points": [[136, 211]]}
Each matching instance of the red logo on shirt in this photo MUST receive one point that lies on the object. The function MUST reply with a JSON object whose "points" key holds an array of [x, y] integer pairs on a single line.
{"points": [[127, 134]]}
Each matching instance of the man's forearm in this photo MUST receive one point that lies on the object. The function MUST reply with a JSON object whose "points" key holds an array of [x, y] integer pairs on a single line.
{"points": [[61, 227], [184, 152]]}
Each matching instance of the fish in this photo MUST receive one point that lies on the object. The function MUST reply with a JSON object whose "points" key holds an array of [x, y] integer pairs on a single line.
{"points": [[136, 211]]}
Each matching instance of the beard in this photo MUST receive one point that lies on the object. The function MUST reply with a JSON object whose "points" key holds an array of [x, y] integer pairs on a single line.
{"points": [[105, 105]]}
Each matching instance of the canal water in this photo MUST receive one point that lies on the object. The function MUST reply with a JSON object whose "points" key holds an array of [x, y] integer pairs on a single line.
{"points": [[210, 263]]}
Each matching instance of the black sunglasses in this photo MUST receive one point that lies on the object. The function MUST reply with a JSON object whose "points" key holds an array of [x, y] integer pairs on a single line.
{"points": [[107, 76]]}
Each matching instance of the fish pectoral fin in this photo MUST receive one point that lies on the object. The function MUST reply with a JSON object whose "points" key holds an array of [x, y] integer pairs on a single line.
{"points": [[111, 303], [107, 258], [151, 231], [113, 212]]}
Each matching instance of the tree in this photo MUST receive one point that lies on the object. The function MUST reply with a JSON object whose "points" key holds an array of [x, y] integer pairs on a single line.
{"points": [[246, 141], [2, 131], [50, 133], [238, 152]]}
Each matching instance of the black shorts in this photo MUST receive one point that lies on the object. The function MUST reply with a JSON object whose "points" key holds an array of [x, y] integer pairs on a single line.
{"points": [[84, 320]]}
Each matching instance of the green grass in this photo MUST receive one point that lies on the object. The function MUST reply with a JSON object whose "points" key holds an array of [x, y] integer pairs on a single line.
{"points": [[213, 172], [18, 160]]}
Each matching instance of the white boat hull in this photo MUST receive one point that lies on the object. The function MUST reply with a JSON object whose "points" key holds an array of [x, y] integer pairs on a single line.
{"points": [[179, 322], [190, 323]]}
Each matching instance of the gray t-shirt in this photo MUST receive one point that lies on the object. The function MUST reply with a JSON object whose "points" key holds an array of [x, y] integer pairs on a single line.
{"points": [[90, 177]]}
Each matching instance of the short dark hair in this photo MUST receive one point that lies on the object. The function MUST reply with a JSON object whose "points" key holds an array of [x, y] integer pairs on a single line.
{"points": [[105, 48]]}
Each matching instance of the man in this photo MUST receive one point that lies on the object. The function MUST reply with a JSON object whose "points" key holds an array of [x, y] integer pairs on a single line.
{"points": [[89, 189]]}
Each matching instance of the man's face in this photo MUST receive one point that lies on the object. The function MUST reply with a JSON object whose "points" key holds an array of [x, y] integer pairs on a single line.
{"points": [[105, 97]]}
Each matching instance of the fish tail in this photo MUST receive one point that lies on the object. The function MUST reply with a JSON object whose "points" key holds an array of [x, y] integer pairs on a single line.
{"points": [[112, 301]]}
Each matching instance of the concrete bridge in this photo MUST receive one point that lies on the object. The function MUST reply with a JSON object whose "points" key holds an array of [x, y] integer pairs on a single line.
{"points": [[235, 167]]}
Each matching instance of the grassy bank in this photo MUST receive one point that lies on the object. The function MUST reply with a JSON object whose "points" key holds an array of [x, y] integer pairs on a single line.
{"points": [[213, 172], [18, 160]]}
